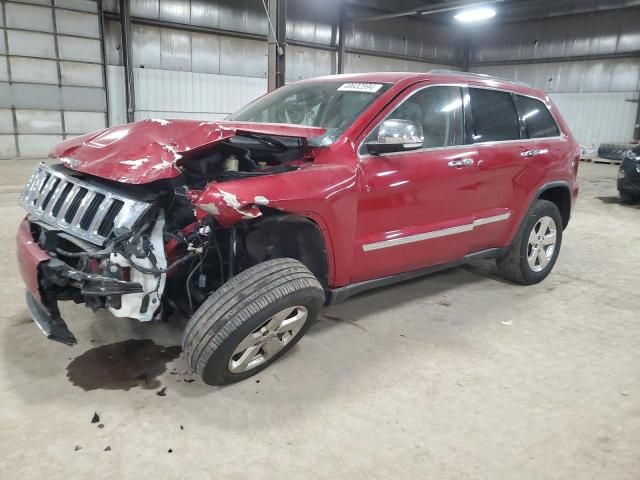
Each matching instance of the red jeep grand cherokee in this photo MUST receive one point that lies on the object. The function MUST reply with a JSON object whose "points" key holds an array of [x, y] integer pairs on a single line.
{"points": [[310, 194]]}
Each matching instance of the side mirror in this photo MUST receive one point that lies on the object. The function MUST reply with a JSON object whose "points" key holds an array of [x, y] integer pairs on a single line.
{"points": [[397, 136]]}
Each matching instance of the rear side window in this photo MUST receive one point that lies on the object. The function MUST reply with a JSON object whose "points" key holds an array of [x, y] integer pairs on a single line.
{"points": [[494, 116], [538, 121]]}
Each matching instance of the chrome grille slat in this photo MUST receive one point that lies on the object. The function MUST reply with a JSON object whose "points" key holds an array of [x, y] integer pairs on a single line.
{"points": [[36, 186], [102, 211], [48, 211], [45, 191], [51, 190], [86, 201], [66, 203]]}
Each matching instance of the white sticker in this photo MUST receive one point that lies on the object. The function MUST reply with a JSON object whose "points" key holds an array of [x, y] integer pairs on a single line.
{"points": [[360, 87]]}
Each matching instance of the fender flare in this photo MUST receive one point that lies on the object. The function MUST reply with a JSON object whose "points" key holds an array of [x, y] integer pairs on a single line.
{"points": [[536, 197]]}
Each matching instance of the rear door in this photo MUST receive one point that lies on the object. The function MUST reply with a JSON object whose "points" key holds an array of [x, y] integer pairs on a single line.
{"points": [[497, 135], [416, 207]]}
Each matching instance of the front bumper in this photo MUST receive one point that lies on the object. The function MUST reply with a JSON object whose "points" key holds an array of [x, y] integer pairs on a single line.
{"points": [[49, 279], [629, 176]]}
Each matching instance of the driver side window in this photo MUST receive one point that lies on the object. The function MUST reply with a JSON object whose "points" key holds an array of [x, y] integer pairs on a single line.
{"points": [[438, 110]]}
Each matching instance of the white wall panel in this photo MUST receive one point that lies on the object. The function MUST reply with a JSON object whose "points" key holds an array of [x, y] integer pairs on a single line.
{"points": [[620, 75], [37, 146], [595, 118], [6, 121], [76, 23], [33, 70], [39, 121], [355, 63], [117, 100], [4, 73], [29, 17], [7, 146], [193, 93], [86, 5], [83, 122], [303, 62], [84, 74], [73, 48], [31, 44]]}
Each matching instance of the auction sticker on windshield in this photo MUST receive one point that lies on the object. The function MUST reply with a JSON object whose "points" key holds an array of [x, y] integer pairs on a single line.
{"points": [[359, 87]]}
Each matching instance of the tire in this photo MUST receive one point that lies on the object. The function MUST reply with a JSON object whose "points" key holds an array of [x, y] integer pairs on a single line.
{"points": [[626, 197], [242, 310], [516, 265]]}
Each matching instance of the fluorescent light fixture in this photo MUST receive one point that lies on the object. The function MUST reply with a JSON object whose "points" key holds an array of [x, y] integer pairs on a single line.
{"points": [[475, 14]]}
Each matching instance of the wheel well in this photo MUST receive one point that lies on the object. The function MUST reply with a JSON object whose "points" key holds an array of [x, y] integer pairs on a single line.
{"points": [[561, 197], [287, 236]]}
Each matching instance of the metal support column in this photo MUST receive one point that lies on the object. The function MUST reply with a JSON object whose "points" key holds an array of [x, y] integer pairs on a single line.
{"points": [[125, 27], [342, 25], [277, 18]]}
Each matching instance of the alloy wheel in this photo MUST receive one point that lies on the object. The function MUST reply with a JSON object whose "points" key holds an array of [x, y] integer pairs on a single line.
{"points": [[268, 339]]}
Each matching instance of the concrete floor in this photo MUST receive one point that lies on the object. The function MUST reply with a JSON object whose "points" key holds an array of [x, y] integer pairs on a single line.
{"points": [[454, 376]]}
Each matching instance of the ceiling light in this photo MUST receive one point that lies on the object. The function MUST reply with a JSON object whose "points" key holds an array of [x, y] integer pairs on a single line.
{"points": [[475, 14]]}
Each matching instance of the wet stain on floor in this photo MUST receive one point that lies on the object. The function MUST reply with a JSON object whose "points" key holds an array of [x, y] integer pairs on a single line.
{"points": [[122, 365]]}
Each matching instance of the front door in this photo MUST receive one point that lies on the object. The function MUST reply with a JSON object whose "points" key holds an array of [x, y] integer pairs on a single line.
{"points": [[416, 207]]}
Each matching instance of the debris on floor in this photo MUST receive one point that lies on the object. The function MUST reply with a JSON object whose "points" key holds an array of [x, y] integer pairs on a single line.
{"points": [[107, 448], [121, 365], [76, 448], [95, 418], [162, 392]]}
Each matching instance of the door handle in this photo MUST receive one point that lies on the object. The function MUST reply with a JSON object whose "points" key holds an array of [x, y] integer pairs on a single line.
{"points": [[530, 153], [465, 162]]}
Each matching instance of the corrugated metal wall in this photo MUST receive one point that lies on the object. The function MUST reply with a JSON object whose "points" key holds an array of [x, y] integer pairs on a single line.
{"points": [[591, 94], [219, 73], [51, 74]]}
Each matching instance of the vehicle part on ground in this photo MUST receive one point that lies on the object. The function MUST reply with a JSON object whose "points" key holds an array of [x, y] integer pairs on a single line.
{"points": [[535, 250], [252, 320]]}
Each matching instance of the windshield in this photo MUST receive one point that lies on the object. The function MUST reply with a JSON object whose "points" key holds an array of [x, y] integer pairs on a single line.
{"points": [[330, 105]]}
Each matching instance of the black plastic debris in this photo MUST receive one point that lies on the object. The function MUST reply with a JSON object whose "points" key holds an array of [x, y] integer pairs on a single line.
{"points": [[181, 427], [101, 425], [189, 380], [170, 450], [162, 392], [95, 418], [76, 448], [107, 448]]}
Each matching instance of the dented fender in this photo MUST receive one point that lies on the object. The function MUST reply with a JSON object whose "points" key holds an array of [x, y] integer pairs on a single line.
{"points": [[327, 194]]}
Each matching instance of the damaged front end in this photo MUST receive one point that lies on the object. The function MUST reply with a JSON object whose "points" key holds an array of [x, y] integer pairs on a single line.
{"points": [[142, 225]]}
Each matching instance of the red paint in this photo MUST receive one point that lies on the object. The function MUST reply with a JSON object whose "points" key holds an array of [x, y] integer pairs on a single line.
{"points": [[356, 201], [145, 151], [29, 257]]}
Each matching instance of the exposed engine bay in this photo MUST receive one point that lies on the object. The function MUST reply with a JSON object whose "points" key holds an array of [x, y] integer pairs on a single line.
{"points": [[146, 251]]}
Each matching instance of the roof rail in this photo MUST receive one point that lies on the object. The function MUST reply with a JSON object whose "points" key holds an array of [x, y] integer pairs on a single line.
{"points": [[440, 71]]}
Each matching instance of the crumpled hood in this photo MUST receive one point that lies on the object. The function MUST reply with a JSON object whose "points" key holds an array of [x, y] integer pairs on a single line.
{"points": [[147, 150]]}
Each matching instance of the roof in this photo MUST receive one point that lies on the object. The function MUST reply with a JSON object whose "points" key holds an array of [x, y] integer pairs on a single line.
{"points": [[436, 76]]}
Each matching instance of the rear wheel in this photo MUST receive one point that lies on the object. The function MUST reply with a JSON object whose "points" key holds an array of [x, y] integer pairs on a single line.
{"points": [[535, 250], [252, 320]]}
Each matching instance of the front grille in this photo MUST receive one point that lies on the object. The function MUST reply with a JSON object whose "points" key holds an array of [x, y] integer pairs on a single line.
{"points": [[77, 207]]}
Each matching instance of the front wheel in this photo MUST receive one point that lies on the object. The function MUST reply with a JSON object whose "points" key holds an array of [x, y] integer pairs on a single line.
{"points": [[252, 320], [535, 250]]}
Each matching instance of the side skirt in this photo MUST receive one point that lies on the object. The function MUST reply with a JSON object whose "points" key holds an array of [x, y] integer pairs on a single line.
{"points": [[337, 295]]}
